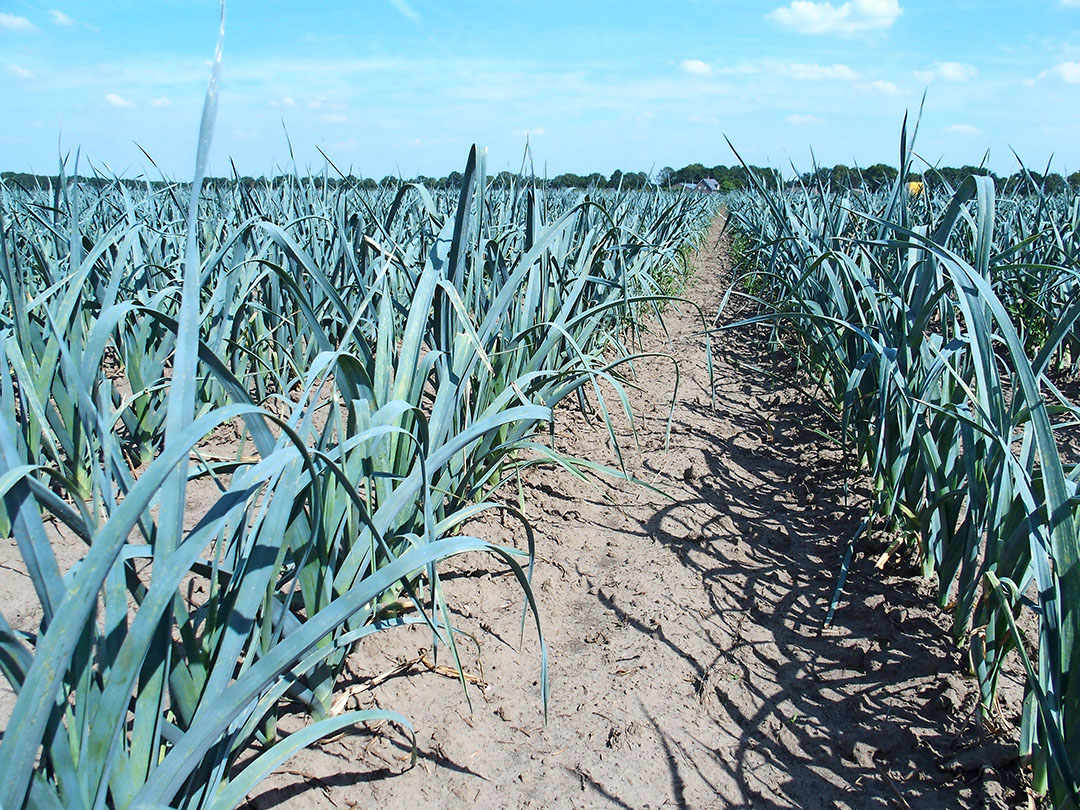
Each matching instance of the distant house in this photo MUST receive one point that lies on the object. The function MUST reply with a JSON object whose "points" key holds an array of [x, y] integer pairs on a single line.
{"points": [[708, 185]]}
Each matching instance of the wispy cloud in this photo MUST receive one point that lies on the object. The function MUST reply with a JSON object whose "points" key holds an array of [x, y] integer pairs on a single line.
{"points": [[884, 87], [856, 16], [163, 101], [791, 70], [741, 69], [529, 132], [804, 120], [818, 72], [963, 129], [117, 101], [695, 67], [21, 72], [1068, 72], [335, 118], [948, 71], [13, 22], [405, 9], [60, 18]]}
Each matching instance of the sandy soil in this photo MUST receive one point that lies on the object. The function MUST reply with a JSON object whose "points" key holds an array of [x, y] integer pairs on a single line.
{"points": [[689, 666]]}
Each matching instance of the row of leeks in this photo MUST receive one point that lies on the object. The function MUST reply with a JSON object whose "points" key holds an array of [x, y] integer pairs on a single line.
{"points": [[904, 312], [388, 360]]}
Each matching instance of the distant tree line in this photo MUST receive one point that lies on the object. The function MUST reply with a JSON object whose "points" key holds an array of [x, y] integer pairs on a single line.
{"points": [[728, 178], [97, 181], [617, 179], [880, 174]]}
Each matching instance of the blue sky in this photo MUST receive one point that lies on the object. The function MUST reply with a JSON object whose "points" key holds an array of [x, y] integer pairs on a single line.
{"points": [[405, 86]]}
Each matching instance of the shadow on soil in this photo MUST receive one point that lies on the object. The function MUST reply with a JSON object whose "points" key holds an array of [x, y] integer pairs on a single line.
{"points": [[869, 712]]}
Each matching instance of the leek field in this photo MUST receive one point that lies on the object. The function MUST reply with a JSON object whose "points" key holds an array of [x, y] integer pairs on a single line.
{"points": [[384, 361], [940, 327], [381, 362]]}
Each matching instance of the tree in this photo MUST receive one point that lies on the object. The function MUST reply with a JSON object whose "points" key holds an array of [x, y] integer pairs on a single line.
{"points": [[568, 180], [1053, 183], [1022, 182], [690, 174], [879, 175]]}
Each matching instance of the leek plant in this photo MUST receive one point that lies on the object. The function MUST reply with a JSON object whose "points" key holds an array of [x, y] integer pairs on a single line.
{"points": [[907, 312], [387, 361]]}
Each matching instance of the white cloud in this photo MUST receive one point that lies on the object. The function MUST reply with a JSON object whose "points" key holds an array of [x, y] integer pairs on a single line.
{"points": [[948, 71], [12, 22], [963, 129], [405, 9], [21, 72], [803, 120], [1070, 3], [1068, 72], [695, 67], [855, 16], [117, 101], [885, 88], [957, 71], [815, 72], [335, 118], [742, 69], [161, 102], [529, 132], [60, 18]]}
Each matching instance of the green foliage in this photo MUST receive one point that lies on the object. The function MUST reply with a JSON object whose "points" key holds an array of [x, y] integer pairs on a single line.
{"points": [[386, 356], [939, 326], [729, 178]]}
